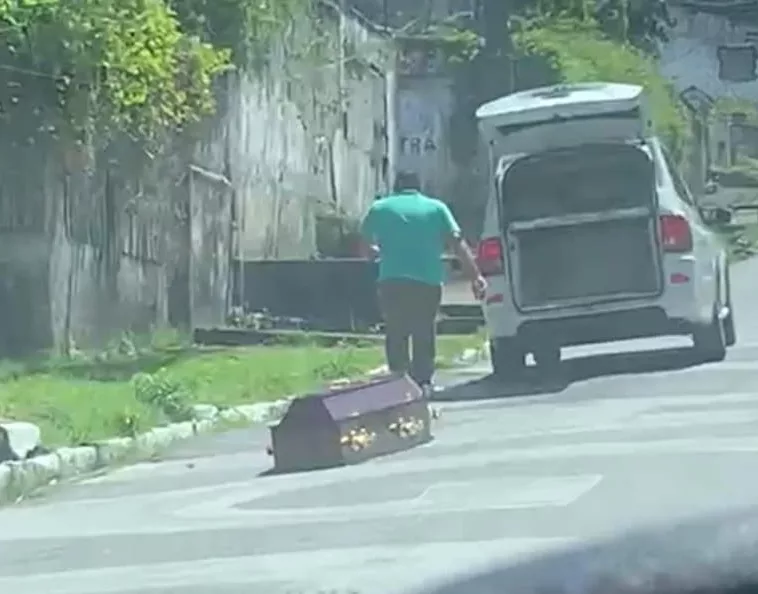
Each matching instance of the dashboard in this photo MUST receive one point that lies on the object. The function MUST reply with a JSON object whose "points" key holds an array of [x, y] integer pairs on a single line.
{"points": [[703, 556]]}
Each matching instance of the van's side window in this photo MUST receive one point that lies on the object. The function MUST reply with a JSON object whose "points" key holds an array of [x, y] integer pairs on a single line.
{"points": [[679, 184]]}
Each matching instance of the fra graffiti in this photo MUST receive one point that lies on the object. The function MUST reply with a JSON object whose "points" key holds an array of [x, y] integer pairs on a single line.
{"points": [[416, 145]]}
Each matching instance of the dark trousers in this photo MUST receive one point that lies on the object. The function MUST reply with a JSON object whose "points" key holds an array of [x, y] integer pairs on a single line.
{"points": [[409, 309]]}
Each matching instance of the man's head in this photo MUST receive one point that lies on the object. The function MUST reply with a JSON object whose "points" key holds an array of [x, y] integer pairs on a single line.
{"points": [[407, 181]]}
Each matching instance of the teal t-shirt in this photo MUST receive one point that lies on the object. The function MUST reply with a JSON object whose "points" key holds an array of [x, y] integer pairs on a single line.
{"points": [[411, 231]]}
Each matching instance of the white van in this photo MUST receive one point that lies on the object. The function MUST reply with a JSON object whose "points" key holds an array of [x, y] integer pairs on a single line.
{"points": [[590, 233]]}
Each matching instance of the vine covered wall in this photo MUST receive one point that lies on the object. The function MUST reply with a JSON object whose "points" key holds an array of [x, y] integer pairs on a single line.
{"points": [[284, 110]]}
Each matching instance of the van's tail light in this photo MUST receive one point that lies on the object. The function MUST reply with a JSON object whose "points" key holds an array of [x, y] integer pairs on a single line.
{"points": [[489, 256], [676, 235]]}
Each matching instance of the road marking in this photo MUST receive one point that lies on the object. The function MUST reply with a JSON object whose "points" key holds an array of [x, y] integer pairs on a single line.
{"points": [[506, 493], [144, 513], [170, 513], [645, 421], [514, 493], [369, 570]]}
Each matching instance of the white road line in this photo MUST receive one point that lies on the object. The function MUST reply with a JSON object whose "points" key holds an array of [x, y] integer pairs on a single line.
{"points": [[370, 570], [611, 414], [514, 492], [224, 507], [170, 512], [509, 492], [645, 422]]}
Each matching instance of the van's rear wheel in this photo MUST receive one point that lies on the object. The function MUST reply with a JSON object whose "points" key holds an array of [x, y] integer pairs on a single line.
{"points": [[710, 340], [508, 358], [730, 332]]}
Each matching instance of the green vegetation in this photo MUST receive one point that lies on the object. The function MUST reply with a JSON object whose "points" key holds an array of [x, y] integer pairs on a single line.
{"points": [[245, 28], [728, 106], [581, 46], [580, 51], [125, 391], [113, 65], [641, 24], [743, 174], [741, 239], [739, 186], [459, 44], [83, 71]]}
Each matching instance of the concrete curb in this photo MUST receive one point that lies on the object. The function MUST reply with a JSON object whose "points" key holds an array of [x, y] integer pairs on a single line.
{"points": [[18, 439], [20, 478]]}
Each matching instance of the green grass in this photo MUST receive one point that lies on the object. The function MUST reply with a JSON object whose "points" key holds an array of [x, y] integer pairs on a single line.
{"points": [[741, 240], [84, 399], [743, 174]]}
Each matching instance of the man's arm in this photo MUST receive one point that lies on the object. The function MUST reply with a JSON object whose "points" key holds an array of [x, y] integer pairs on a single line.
{"points": [[458, 245], [369, 249], [455, 242]]}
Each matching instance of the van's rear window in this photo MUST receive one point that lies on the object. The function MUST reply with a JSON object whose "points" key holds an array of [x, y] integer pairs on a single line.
{"points": [[581, 179], [630, 114]]}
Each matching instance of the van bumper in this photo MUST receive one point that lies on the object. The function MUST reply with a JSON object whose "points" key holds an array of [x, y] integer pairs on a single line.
{"points": [[621, 323], [603, 327]]}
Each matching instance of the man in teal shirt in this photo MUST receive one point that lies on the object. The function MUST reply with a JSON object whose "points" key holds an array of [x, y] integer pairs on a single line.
{"points": [[409, 231]]}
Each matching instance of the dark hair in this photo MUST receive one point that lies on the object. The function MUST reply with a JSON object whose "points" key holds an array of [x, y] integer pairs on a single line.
{"points": [[407, 180]]}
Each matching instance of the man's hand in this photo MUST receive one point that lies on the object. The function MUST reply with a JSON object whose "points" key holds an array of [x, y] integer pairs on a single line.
{"points": [[369, 251], [470, 269], [479, 287]]}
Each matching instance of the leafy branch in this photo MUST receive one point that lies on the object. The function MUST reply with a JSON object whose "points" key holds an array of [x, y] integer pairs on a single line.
{"points": [[246, 28], [454, 35], [579, 51], [117, 65]]}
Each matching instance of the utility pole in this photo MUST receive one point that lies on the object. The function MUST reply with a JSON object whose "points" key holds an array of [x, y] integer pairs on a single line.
{"points": [[390, 98], [341, 58], [498, 72]]}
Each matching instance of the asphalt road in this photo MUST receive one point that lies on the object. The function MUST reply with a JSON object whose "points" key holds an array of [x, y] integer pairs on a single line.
{"points": [[626, 440]]}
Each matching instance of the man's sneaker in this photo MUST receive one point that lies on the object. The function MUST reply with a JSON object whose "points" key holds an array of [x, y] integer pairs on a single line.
{"points": [[428, 390]]}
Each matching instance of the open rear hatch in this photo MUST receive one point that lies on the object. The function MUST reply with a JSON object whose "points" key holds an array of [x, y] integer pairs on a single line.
{"points": [[581, 226]]}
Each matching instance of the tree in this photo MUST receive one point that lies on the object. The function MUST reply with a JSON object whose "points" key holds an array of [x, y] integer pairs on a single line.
{"points": [[580, 51], [113, 66], [640, 22]]}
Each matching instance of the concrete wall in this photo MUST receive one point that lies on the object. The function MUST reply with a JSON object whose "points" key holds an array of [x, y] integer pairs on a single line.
{"points": [[310, 137], [424, 108], [106, 271], [690, 56], [24, 249], [97, 243], [690, 59]]}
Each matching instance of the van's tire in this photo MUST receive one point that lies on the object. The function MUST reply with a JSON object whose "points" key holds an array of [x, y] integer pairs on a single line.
{"points": [[730, 331], [508, 358], [710, 340]]}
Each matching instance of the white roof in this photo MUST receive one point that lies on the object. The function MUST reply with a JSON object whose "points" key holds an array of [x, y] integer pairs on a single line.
{"points": [[569, 100]]}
